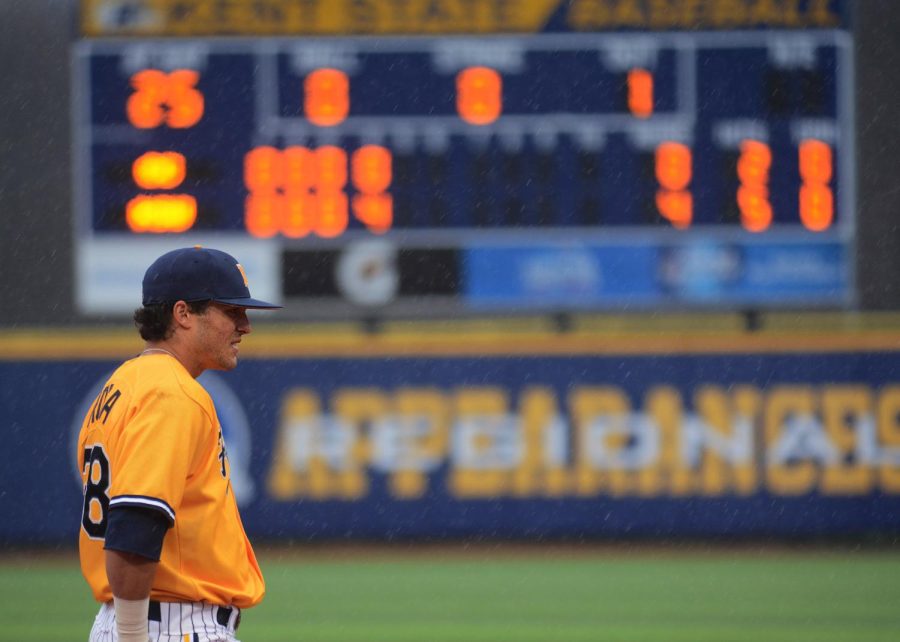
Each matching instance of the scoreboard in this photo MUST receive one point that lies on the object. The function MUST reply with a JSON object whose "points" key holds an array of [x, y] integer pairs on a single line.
{"points": [[550, 171]]}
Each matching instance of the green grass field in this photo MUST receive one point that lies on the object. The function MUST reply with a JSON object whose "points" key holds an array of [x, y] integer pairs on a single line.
{"points": [[519, 595]]}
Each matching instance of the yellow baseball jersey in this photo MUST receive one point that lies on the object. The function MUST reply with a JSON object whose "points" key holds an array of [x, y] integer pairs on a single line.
{"points": [[152, 439]]}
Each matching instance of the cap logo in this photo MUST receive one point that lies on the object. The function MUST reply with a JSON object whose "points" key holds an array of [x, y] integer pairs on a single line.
{"points": [[243, 274]]}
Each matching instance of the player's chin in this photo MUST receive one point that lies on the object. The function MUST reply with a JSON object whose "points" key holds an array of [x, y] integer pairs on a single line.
{"points": [[227, 361]]}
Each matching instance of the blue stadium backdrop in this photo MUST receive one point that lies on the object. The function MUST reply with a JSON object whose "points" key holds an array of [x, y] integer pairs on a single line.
{"points": [[518, 446]]}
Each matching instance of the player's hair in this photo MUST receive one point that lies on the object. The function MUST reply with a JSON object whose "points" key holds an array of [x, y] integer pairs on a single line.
{"points": [[154, 322]]}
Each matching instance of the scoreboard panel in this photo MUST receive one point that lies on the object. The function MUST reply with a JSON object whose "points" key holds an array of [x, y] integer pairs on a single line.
{"points": [[548, 171]]}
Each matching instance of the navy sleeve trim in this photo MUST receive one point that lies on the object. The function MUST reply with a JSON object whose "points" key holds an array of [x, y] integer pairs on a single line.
{"points": [[137, 530], [142, 501]]}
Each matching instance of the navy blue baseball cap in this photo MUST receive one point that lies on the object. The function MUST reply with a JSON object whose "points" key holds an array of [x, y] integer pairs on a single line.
{"points": [[199, 274]]}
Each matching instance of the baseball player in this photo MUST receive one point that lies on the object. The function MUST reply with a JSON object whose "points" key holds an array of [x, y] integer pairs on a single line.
{"points": [[161, 541]]}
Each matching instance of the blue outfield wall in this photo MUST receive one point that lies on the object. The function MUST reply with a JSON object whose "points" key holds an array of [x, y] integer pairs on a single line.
{"points": [[516, 447]]}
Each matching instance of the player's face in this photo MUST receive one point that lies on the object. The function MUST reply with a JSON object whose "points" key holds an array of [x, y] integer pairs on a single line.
{"points": [[219, 331]]}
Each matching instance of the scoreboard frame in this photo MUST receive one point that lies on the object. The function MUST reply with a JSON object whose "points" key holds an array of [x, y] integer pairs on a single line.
{"points": [[595, 252]]}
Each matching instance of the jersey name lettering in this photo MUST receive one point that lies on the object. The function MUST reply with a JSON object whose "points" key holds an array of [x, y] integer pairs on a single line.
{"points": [[105, 402]]}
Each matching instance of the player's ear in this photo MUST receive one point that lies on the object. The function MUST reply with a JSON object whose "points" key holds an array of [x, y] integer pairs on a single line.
{"points": [[181, 315]]}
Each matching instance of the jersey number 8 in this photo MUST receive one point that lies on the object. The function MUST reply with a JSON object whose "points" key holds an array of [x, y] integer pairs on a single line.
{"points": [[96, 487]]}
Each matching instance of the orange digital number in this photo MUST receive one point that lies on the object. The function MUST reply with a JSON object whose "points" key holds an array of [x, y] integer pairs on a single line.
{"points": [[676, 207], [299, 170], [326, 97], [145, 107], [263, 214], [673, 165], [159, 170], [300, 215], [376, 211], [816, 161], [674, 172], [756, 211], [371, 169], [160, 213], [331, 168], [753, 192], [263, 170], [816, 197], [161, 98], [754, 163], [300, 191], [640, 93], [333, 214], [479, 95], [816, 206], [184, 101]]}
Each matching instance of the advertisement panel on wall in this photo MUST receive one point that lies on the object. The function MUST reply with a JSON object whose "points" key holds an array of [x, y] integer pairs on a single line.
{"points": [[638, 273], [566, 446]]}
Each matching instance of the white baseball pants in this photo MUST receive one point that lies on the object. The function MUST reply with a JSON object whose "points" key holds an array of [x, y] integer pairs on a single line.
{"points": [[174, 622]]}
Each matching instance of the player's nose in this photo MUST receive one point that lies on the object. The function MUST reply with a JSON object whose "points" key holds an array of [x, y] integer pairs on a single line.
{"points": [[243, 323]]}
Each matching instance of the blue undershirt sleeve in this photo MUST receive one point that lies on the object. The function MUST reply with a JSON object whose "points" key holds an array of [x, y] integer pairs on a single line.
{"points": [[136, 530]]}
